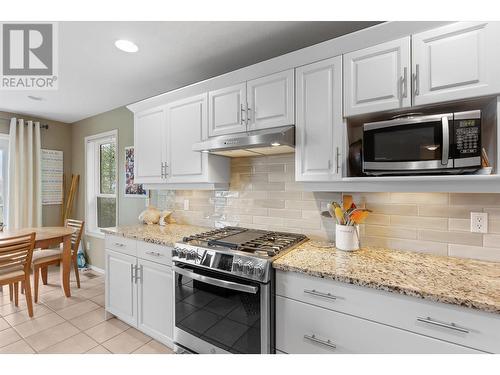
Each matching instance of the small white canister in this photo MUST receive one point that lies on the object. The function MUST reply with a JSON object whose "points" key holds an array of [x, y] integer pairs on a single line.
{"points": [[347, 237]]}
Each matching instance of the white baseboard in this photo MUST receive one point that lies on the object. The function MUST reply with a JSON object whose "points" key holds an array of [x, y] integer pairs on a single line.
{"points": [[96, 269]]}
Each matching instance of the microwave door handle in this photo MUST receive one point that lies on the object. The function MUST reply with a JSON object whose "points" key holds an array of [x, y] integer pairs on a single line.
{"points": [[217, 282], [446, 141]]}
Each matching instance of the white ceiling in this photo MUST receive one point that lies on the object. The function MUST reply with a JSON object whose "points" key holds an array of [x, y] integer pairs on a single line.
{"points": [[95, 77]]}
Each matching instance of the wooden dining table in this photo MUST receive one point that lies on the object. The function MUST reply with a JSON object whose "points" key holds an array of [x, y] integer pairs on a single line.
{"points": [[46, 237]]}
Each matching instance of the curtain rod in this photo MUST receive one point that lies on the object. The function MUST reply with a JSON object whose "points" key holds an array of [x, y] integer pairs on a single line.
{"points": [[42, 126]]}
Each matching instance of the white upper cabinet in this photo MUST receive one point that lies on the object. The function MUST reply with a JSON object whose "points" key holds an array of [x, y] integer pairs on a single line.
{"points": [[457, 61], [377, 78], [149, 155], [226, 110], [186, 125], [271, 101], [319, 126]]}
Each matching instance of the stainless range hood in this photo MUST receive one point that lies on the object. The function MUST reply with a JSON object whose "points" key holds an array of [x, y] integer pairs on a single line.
{"points": [[254, 143]]}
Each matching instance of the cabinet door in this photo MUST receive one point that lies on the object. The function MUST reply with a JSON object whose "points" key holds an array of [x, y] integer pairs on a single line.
{"points": [[271, 101], [121, 290], [149, 145], [186, 124], [226, 113], [319, 127], [377, 78], [457, 61], [155, 300]]}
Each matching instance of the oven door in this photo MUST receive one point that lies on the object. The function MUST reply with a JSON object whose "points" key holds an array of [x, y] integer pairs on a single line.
{"points": [[220, 313], [407, 145]]}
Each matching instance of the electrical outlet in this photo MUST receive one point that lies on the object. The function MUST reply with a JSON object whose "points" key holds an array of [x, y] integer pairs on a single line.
{"points": [[88, 245], [479, 222], [186, 204]]}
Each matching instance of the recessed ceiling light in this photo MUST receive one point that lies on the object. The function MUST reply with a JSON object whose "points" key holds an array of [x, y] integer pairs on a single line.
{"points": [[126, 46], [37, 98]]}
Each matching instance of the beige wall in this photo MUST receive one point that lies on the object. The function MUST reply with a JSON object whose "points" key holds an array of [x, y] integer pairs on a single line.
{"points": [[56, 137], [128, 208], [263, 195]]}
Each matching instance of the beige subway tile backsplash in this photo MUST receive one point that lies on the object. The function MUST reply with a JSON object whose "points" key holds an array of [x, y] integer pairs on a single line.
{"points": [[475, 252], [264, 195], [475, 239]]}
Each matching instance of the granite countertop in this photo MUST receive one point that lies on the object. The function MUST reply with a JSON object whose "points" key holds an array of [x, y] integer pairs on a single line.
{"points": [[464, 282], [470, 283], [162, 235]]}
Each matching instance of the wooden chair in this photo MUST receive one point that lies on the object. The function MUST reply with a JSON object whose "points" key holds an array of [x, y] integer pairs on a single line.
{"points": [[44, 258], [15, 266]]}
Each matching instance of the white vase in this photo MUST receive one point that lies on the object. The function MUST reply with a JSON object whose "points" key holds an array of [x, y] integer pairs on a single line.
{"points": [[347, 237]]}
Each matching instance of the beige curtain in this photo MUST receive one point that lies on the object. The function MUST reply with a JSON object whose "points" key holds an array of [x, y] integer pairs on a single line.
{"points": [[25, 178]]}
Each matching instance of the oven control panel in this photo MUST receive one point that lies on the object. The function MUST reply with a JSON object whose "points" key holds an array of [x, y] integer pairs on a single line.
{"points": [[236, 264]]}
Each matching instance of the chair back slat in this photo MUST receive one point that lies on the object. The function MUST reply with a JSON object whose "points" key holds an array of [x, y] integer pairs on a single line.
{"points": [[16, 252], [77, 236]]}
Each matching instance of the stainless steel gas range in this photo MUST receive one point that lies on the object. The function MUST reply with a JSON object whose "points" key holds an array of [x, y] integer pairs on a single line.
{"points": [[224, 286]]}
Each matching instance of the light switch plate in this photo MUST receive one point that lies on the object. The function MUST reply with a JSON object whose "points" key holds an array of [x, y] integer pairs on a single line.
{"points": [[479, 222], [186, 204]]}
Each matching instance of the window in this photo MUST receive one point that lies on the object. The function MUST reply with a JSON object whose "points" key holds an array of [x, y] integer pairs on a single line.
{"points": [[4, 176], [101, 182]]}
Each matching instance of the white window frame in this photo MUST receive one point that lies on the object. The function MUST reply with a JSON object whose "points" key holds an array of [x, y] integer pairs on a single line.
{"points": [[92, 145], [5, 170]]}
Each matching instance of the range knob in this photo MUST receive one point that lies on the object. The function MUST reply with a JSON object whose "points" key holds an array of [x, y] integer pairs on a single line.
{"points": [[182, 253], [238, 266], [259, 270], [192, 255], [248, 268], [175, 252]]}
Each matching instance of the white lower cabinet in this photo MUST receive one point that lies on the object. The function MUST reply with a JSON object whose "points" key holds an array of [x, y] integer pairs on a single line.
{"points": [[364, 320], [121, 290], [308, 329], [140, 291], [155, 300]]}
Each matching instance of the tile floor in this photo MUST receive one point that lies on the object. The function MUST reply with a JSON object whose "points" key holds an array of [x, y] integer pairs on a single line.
{"points": [[69, 325]]}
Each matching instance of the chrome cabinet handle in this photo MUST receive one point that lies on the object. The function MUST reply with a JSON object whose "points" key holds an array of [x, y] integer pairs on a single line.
{"points": [[132, 267], [417, 79], [248, 113], [320, 294], [404, 83], [337, 154], [167, 173], [326, 342], [242, 112], [162, 170], [119, 244], [438, 323], [154, 253]]}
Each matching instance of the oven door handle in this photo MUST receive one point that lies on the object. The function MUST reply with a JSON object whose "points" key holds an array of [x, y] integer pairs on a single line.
{"points": [[446, 141], [221, 283]]}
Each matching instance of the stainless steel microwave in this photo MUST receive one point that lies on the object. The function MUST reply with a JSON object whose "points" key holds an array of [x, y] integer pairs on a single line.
{"points": [[443, 143]]}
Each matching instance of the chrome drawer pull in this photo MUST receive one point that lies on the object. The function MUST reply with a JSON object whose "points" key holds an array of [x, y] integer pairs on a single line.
{"points": [[313, 338], [119, 244], [320, 294], [453, 326], [154, 253]]}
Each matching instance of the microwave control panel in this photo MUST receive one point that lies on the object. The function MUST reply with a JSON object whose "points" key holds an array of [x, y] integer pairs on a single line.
{"points": [[467, 138]]}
